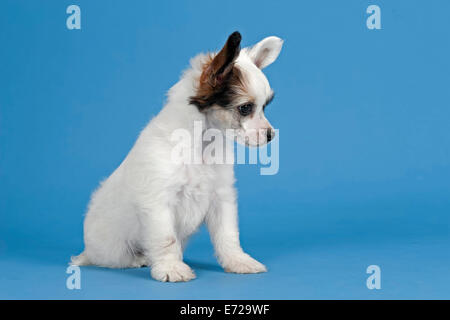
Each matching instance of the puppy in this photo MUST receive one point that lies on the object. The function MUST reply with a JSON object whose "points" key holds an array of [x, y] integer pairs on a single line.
{"points": [[143, 214]]}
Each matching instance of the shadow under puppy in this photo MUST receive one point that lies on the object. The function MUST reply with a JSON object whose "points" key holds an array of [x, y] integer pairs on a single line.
{"points": [[146, 210]]}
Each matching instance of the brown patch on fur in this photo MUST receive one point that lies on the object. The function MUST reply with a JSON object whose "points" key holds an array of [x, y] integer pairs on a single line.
{"points": [[220, 77]]}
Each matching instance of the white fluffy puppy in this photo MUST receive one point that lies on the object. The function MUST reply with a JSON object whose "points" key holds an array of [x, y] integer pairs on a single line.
{"points": [[145, 211]]}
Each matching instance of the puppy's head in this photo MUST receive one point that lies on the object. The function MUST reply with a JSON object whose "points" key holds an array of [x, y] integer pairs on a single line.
{"points": [[233, 91]]}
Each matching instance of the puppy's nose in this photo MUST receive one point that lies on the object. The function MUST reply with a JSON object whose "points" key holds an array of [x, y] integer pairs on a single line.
{"points": [[270, 134]]}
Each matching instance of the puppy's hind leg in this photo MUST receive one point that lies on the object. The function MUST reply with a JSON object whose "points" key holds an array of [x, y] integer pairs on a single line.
{"points": [[139, 262], [139, 259], [109, 252]]}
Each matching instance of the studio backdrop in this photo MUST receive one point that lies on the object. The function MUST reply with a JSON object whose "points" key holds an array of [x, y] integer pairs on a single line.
{"points": [[362, 179]]}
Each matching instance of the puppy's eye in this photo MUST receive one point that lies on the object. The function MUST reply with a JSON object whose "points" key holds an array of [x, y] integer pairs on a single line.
{"points": [[246, 109]]}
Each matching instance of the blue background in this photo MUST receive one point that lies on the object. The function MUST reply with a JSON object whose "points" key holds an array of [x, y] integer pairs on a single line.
{"points": [[364, 143]]}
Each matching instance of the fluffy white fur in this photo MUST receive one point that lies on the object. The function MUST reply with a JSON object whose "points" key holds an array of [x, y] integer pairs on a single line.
{"points": [[145, 211]]}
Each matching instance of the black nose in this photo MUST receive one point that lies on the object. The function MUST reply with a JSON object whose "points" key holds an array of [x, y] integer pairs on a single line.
{"points": [[270, 134]]}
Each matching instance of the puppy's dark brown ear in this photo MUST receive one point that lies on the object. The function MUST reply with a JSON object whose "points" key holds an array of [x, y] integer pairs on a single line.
{"points": [[217, 72], [223, 62]]}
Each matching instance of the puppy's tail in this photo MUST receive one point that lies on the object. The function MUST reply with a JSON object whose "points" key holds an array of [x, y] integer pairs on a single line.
{"points": [[81, 260]]}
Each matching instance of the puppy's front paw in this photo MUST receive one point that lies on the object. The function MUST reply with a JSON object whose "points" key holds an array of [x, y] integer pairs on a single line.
{"points": [[172, 271], [243, 263]]}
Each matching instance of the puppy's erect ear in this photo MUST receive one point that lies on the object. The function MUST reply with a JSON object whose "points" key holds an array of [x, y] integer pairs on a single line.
{"points": [[217, 73], [221, 65], [266, 51]]}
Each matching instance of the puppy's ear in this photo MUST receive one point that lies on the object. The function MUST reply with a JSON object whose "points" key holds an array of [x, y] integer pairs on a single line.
{"points": [[266, 51], [217, 73], [219, 68]]}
